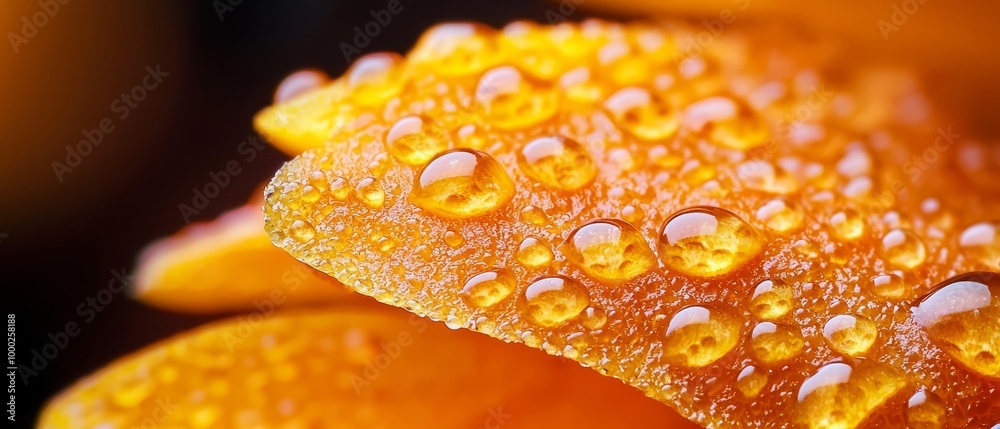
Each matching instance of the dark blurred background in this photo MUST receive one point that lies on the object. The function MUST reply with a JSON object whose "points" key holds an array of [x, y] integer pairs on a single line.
{"points": [[61, 240], [62, 235]]}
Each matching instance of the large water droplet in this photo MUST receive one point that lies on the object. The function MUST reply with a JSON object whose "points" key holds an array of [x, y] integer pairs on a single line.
{"points": [[772, 344], [512, 101], [462, 183], [552, 301], [456, 49], [903, 249], [842, 395], [850, 335], [981, 242], [558, 163], [376, 78], [772, 299], [962, 316], [751, 381], [534, 253], [700, 335], [609, 250], [642, 114], [707, 242], [488, 288], [925, 410], [780, 216], [415, 140]]}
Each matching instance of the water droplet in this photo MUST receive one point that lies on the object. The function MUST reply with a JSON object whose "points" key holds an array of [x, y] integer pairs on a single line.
{"points": [[310, 194], [925, 410], [981, 242], [847, 225], [903, 249], [456, 49], [727, 123], [771, 299], [453, 239], [751, 381], [772, 344], [633, 214], [534, 253], [302, 231], [850, 335], [471, 136], [376, 78], [594, 318], [299, 83], [662, 157], [642, 114], [370, 193], [386, 244], [558, 163], [552, 301], [415, 140], [695, 172], [340, 188], [462, 183], [962, 316], [889, 286], [700, 335], [512, 101], [764, 177], [609, 250], [534, 216], [780, 216], [707, 241], [488, 288], [842, 395]]}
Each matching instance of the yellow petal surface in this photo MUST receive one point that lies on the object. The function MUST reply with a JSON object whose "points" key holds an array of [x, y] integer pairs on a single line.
{"points": [[347, 368], [228, 264], [700, 239]]}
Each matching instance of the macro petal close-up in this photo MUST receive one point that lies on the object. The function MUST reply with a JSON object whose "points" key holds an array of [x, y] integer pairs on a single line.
{"points": [[724, 214]]}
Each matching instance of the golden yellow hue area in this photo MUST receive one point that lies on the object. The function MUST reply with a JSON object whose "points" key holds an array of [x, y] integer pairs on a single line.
{"points": [[609, 250], [879, 183], [349, 368], [229, 264]]}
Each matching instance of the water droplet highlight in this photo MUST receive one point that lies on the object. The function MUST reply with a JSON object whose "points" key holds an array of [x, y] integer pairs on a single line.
{"points": [[552, 301], [700, 335], [489, 288], [707, 242], [962, 316], [462, 183], [609, 250], [558, 163], [850, 335]]}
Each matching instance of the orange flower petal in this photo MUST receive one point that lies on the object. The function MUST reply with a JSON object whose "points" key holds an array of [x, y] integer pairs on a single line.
{"points": [[376, 368], [727, 233], [228, 264]]}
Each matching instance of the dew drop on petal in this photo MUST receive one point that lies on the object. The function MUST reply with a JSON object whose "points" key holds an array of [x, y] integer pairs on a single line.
{"points": [[462, 183]]}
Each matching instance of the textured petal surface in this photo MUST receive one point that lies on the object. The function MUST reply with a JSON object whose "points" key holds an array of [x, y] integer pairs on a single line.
{"points": [[228, 264], [347, 368], [805, 231]]}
